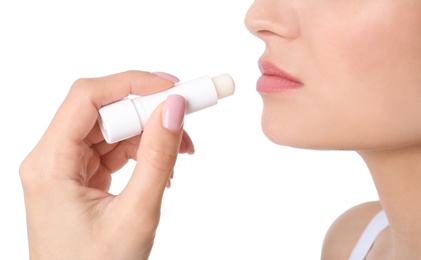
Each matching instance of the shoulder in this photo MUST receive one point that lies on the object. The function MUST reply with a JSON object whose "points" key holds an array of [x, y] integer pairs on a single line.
{"points": [[345, 231]]}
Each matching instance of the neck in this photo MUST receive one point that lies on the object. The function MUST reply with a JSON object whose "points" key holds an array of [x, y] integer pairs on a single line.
{"points": [[397, 176]]}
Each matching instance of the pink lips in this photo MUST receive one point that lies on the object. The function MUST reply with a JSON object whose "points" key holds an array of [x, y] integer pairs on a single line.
{"points": [[274, 80]]}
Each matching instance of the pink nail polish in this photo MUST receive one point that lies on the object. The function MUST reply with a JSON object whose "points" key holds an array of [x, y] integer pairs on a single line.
{"points": [[168, 76], [173, 113]]}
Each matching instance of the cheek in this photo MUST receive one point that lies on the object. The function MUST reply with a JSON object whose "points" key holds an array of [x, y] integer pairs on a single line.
{"points": [[366, 68], [371, 52], [352, 48]]}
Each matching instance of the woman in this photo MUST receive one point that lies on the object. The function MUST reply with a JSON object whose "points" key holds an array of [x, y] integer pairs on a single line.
{"points": [[346, 75], [336, 75]]}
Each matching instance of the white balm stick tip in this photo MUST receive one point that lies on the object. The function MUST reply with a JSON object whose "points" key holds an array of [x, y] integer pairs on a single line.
{"points": [[224, 85]]}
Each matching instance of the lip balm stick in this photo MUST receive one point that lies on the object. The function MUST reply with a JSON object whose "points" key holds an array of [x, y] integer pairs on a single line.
{"points": [[126, 118]]}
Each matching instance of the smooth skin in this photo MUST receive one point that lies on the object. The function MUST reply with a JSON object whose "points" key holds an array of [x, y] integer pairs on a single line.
{"points": [[360, 68], [70, 214], [359, 62]]}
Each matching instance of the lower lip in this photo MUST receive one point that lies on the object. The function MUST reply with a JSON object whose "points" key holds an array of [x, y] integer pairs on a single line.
{"points": [[274, 84]]}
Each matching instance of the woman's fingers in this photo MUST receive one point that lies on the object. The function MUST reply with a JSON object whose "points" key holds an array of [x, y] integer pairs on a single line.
{"points": [[156, 157], [186, 144], [79, 111]]}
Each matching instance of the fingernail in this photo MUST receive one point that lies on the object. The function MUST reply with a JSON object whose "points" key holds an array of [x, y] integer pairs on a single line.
{"points": [[165, 75], [188, 142], [173, 113]]}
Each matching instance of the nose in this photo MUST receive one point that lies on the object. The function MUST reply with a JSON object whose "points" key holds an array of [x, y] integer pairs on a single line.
{"points": [[273, 17]]}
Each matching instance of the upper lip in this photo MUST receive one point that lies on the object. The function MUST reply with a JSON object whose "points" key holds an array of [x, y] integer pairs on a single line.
{"points": [[270, 69]]}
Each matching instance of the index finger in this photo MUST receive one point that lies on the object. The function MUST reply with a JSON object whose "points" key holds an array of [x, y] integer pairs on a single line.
{"points": [[79, 111]]}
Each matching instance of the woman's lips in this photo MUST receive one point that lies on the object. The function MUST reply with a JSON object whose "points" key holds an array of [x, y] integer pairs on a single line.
{"points": [[274, 80]]}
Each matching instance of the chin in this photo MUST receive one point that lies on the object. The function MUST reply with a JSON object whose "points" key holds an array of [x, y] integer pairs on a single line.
{"points": [[293, 134], [288, 135]]}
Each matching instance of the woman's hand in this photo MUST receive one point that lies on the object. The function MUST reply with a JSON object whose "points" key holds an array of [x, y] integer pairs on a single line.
{"points": [[70, 214]]}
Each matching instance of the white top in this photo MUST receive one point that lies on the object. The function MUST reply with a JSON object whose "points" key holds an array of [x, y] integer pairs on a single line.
{"points": [[366, 241]]}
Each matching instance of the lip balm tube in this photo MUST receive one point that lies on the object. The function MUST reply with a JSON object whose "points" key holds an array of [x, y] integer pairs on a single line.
{"points": [[126, 118]]}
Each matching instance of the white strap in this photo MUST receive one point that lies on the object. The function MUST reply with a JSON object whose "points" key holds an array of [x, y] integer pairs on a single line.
{"points": [[366, 241]]}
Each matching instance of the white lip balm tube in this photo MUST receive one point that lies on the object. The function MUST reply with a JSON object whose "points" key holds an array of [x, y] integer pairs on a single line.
{"points": [[126, 118]]}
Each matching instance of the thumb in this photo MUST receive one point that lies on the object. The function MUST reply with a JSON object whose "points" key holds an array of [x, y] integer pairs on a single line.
{"points": [[156, 157]]}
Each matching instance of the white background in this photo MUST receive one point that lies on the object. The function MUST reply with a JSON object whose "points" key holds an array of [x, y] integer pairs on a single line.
{"points": [[240, 196]]}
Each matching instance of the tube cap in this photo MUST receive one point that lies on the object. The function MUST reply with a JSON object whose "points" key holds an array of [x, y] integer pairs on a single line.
{"points": [[224, 85], [119, 121]]}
